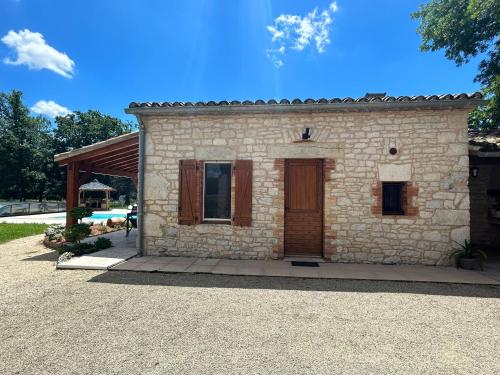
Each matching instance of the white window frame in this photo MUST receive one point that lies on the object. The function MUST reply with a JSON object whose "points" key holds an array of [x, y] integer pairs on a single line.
{"points": [[230, 189]]}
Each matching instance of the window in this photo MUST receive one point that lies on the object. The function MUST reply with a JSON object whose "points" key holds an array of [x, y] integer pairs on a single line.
{"points": [[392, 198], [217, 191], [205, 194]]}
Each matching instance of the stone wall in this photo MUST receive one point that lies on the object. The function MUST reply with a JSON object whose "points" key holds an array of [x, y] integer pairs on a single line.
{"points": [[432, 156]]}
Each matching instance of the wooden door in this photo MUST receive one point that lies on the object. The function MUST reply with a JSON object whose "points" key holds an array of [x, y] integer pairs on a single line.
{"points": [[303, 207]]}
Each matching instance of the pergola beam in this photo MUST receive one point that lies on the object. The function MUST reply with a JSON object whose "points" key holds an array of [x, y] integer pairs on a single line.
{"points": [[118, 164], [115, 158], [108, 171], [128, 152], [109, 150]]}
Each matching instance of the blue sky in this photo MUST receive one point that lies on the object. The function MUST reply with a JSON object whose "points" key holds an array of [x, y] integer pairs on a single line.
{"points": [[103, 54]]}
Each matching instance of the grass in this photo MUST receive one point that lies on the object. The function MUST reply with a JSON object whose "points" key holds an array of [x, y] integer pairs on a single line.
{"points": [[9, 232]]}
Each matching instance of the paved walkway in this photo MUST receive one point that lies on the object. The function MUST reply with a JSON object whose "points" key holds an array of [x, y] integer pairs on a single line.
{"points": [[123, 248], [325, 270]]}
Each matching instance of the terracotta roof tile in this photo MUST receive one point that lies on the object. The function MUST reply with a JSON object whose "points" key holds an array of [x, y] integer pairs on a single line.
{"points": [[273, 102]]}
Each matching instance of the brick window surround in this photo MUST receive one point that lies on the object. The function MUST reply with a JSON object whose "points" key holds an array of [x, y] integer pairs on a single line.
{"points": [[409, 192]]}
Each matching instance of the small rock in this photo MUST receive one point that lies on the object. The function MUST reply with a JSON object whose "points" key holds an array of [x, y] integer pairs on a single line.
{"points": [[64, 257]]}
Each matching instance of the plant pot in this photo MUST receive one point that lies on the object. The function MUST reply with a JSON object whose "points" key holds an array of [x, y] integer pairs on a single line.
{"points": [[470, 263]]}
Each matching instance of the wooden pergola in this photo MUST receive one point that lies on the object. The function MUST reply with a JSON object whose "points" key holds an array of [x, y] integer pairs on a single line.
{"points": [[117, 156]]}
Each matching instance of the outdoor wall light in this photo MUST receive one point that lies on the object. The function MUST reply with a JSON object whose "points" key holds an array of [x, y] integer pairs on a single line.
{"points": [[474, 171], [306, 135], [393, 151]]}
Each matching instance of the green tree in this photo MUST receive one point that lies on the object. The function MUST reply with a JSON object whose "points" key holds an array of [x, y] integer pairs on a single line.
{"points": [[80, 129], [465, 29], [25, 149]]}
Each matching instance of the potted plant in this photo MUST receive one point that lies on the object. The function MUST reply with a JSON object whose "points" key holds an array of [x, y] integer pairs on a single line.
{"points": [[468, 257]]}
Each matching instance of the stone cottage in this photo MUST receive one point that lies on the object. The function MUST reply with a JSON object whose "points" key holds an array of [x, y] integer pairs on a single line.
{"points": [[376, 179]]}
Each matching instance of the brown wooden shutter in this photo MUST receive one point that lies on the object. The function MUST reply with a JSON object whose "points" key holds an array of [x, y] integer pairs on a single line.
{"points": [[243, 193], [189, 203]]}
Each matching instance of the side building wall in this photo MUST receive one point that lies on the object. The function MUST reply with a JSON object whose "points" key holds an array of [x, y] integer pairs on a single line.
{"points": [[432, 157]]}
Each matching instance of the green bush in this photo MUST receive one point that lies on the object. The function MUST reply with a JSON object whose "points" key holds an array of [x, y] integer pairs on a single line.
{"points": [[79, 213], [86, 248], [102, 243], [77, 249], [77, 232], [83, 248], [64, 249]]}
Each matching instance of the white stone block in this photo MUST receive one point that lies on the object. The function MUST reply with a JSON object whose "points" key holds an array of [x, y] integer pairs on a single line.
{"points": [[394, 172], [451, 217]]}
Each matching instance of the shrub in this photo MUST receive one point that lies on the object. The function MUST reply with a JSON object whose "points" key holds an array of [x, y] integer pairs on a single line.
{"points": [[85, 248], [77, 249], [64, 249], [77, 232], [82, 248], [79, 213], [54, 232], [102, 243]]}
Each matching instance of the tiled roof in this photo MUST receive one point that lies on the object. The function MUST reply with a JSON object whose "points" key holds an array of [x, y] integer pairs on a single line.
{"points": [[369, 98], [96, 186], [485, 141]]}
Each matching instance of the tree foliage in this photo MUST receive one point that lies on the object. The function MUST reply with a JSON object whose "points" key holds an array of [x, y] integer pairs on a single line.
{"points": [[80, 129], [28, 144], [465, 29], [25, 149]]}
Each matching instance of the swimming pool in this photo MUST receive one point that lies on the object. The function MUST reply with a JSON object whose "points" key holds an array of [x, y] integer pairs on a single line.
{"points": [[98, 216], [102, 216]]}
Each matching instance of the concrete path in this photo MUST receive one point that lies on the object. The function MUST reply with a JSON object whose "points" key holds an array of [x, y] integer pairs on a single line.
{"points": [[324, 271], [123, 249]]}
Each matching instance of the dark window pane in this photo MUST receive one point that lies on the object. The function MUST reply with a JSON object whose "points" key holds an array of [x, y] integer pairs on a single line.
{"points": [[217, 199], [392, 198]]}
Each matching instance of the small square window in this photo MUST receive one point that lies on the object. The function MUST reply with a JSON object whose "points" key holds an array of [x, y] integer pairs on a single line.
{"points": [[217, 191], [392, 198]]}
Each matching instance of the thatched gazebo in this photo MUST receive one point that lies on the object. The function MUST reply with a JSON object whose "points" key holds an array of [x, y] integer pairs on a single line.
{"points": [[91, 200]]}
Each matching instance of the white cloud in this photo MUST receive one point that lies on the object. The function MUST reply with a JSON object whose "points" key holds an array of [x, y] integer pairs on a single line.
{"points": [[296, 32], [32, 50], [276, 56], [49, 108]]}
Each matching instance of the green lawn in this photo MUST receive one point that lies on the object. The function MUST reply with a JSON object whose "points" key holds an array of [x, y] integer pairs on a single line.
{"points": [[9, 232]]}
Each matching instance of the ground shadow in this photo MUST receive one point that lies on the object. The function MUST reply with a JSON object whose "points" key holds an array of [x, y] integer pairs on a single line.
{"points": [[45, 257], [291, 283]]}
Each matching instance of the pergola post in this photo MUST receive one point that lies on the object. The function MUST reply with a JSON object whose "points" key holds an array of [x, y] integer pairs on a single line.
{"points": [[133, 178], [72, 192]]}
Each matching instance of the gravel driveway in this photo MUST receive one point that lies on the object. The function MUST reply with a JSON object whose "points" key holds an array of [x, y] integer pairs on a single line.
{"points": [[94, 322]]}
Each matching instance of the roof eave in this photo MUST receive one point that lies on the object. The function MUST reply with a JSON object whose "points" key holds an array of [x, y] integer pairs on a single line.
{"points": [[306, 107], [94, 146]]}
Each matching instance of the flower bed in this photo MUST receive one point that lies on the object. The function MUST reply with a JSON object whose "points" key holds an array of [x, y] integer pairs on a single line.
{"points": [[55, 238]]}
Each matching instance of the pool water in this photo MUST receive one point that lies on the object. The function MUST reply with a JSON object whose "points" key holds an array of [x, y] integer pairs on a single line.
{"points": [[97, 216], [101, 216]]}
